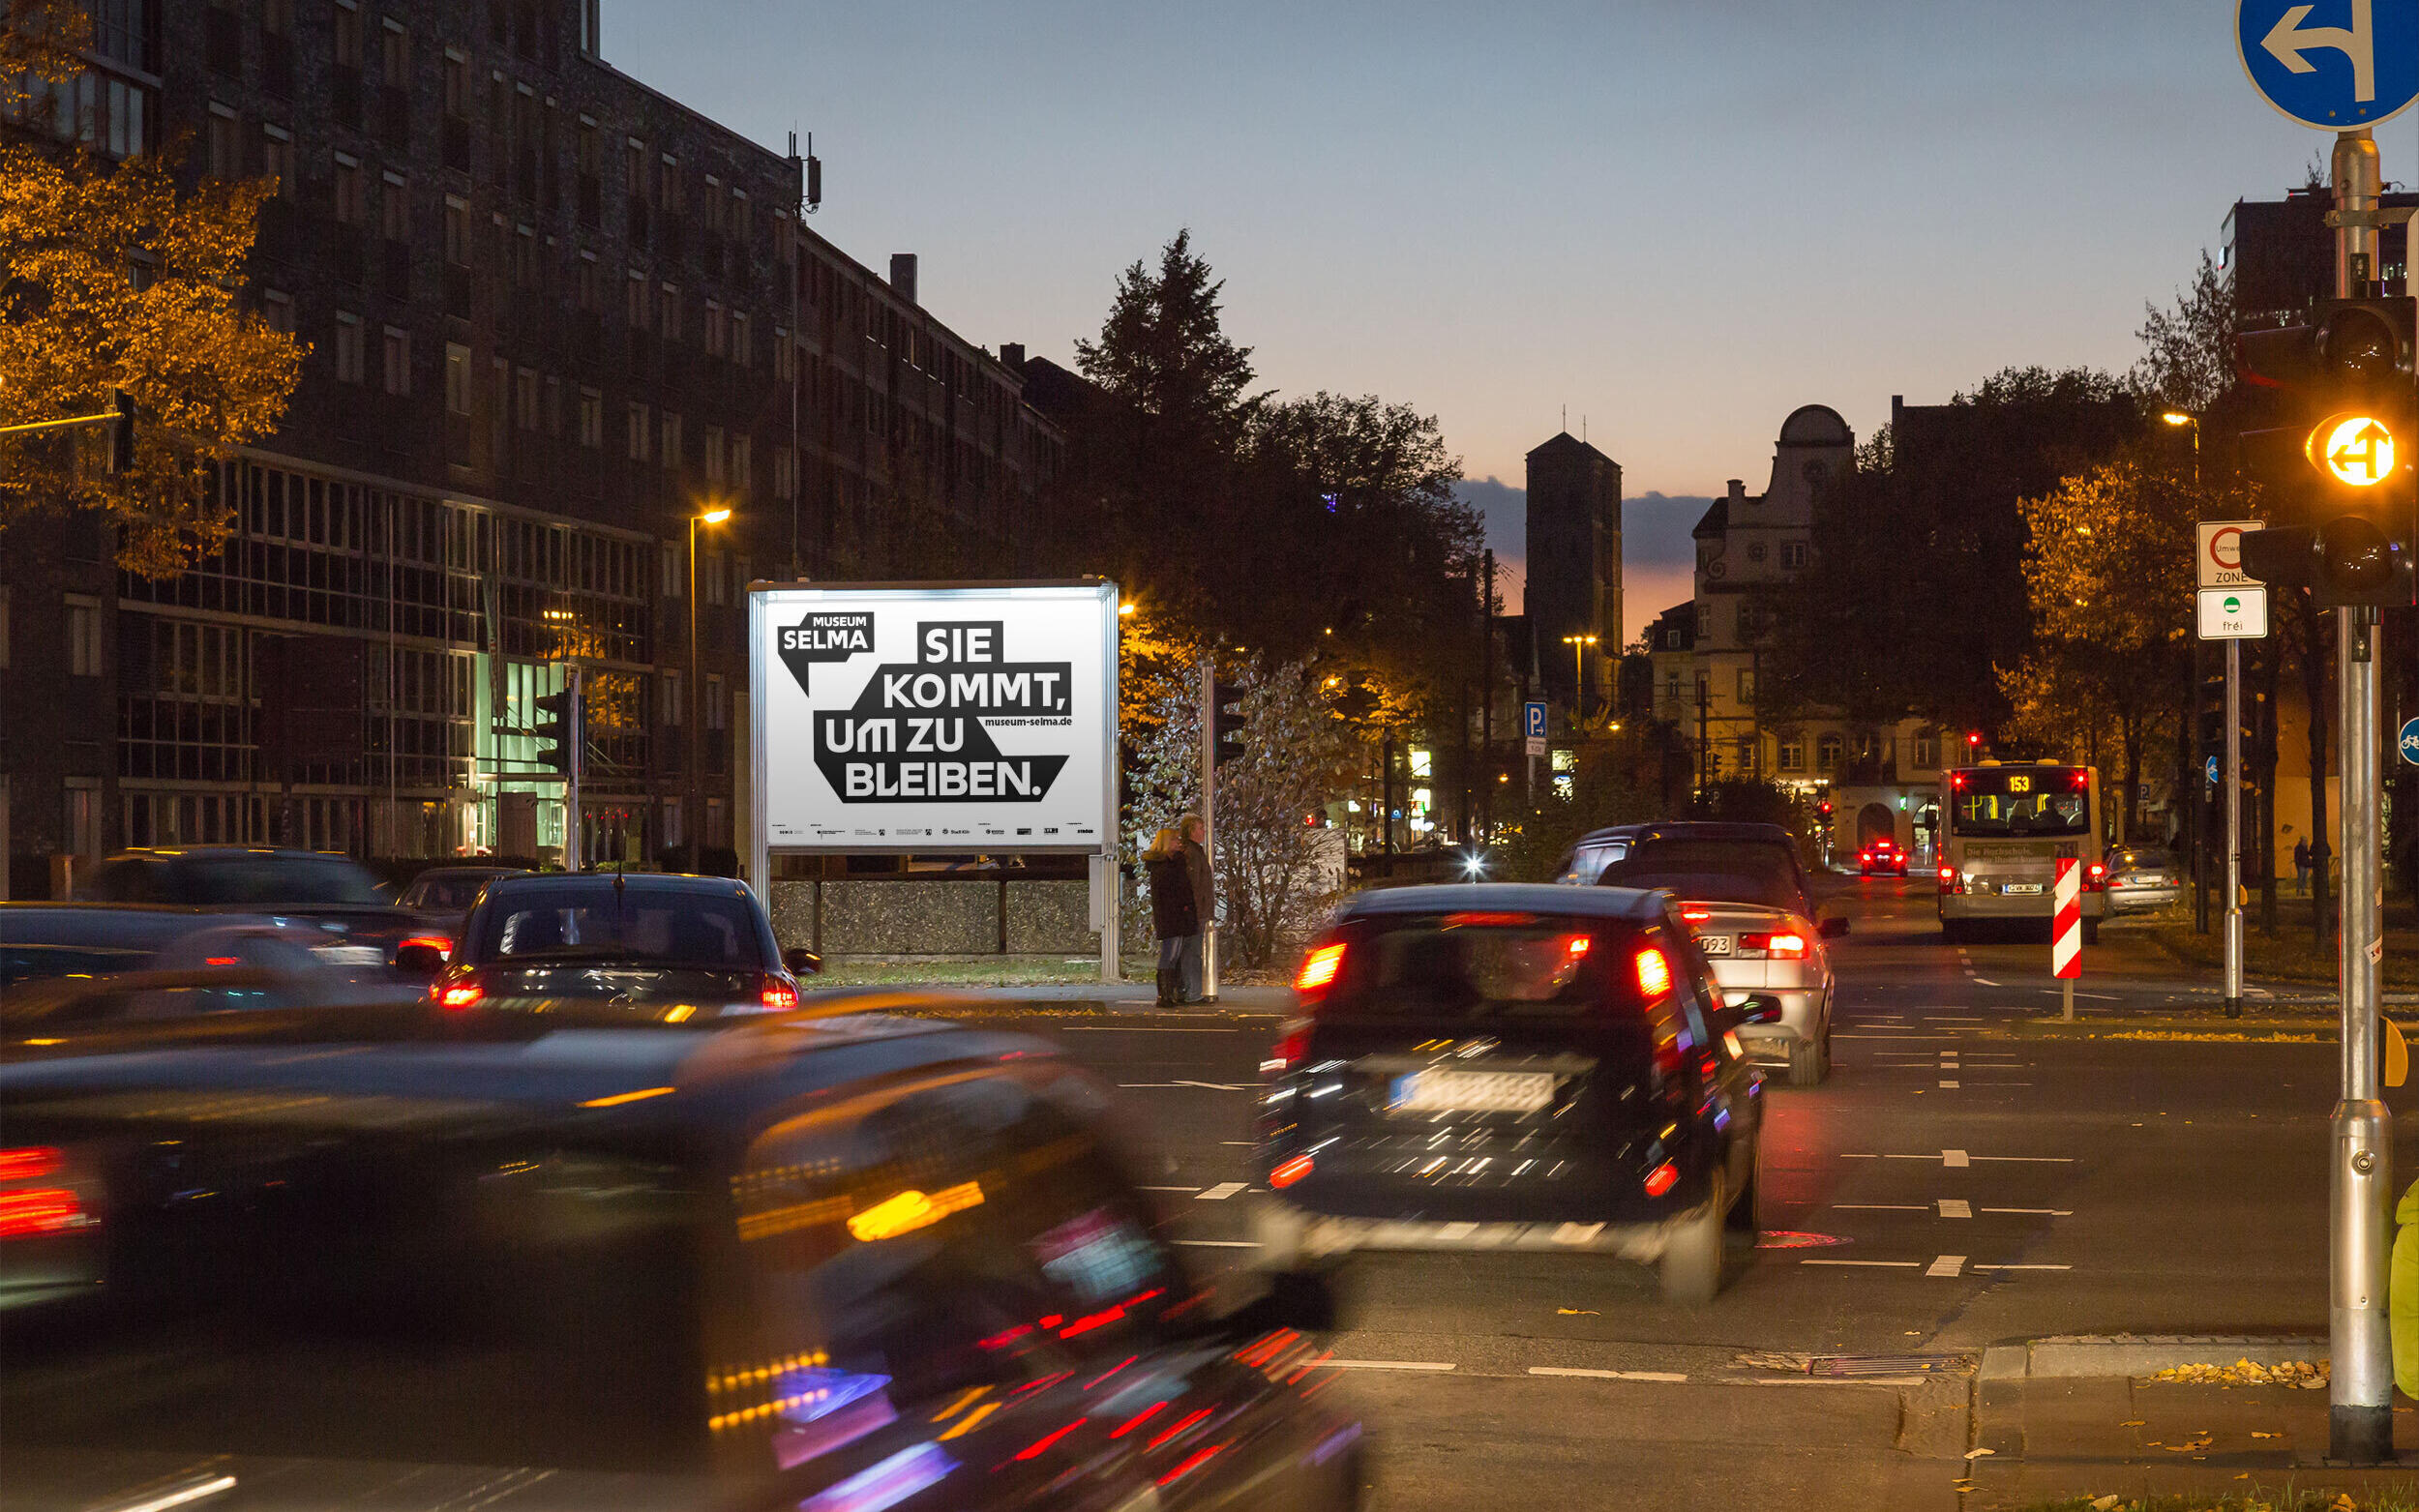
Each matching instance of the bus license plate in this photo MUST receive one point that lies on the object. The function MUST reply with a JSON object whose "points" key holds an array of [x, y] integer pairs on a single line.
{"points": [[2021, 887], [1473, 1091]]}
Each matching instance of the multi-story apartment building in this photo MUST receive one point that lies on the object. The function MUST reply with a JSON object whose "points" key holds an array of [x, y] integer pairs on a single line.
{"points": [[552, 317], [1707, 657]]}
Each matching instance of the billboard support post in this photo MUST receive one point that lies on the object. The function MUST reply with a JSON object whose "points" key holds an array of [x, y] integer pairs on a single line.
{"points": [[951, 719]]}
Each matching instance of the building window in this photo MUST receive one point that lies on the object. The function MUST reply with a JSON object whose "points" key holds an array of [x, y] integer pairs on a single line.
{"points": [[347, 35], [671, 710], [1704, 622], [394, 53], [717, 334], [277, 307], [785, 473], [457, 378], [398, 361], [670, 457], [670, 195], [350, 201], [673, 585], [83, 635], [672, 822], [226, 150], [1750, 750], [591, 417], [525, 399], [347, 346], [588, 283], [785, 356], [553, 405], [456, 230], [277, 159], [742, 472], [526, 258], [457, 84], [637, 302], [1792, 754], [741, 350], [1746, 684], [712, 569], [500, 407], [717, 704], [641, 432], [83, 820], [634, 170], [1792, 554], [1827, 753], [668, 321], [714, 456], [1927, 750], [394, 208]]}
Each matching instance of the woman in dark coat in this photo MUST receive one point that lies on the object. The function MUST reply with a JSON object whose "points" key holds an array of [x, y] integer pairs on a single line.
{"points": [[1174, 915]]}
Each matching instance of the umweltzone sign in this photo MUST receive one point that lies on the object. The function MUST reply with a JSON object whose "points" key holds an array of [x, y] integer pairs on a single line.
{"points": [[935, 719]]}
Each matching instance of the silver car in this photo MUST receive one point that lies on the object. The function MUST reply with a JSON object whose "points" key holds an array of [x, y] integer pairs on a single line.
{"points": [[2142, 879], [1753, 918]]}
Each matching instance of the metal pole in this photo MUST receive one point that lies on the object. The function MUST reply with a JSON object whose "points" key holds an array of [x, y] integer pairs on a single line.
{"points": [[2234, 830], [575, 757], [690, 821], [2360, 1427], [1210, 818]]}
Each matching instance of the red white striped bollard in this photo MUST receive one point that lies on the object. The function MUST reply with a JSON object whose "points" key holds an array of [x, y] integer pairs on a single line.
{"points": [[2066, 929]]}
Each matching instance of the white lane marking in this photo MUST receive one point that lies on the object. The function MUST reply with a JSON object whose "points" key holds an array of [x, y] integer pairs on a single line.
{"points": [[1207, 1087], [1881, 1207], [1167, 1189], [1606, 1374], [1843, 1034], [1151, 1028], [1221, 1244], [2032, 1160], [1953, 1159], [2023, 1267], [1221, 1191], [1955, 1207], [1880, 1265], [1246, 1144], [1824, 1380], [1435, 1365], [2053, 1213], [2104, 997], [1955, 1017], [1985, 982], [1946, 1265], [1948, 1084]]}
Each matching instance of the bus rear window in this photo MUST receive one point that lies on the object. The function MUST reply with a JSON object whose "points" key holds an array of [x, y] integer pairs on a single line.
{"points": [[2020, 802]]}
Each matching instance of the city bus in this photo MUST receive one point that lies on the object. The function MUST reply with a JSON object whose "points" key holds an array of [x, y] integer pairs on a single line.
{"points": [[2005, 825]]}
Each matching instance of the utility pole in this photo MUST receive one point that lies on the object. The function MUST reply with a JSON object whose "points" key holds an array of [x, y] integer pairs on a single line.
{"points": [[1486, 698], [2234, 830], [2360, 1195], [575, 756]]}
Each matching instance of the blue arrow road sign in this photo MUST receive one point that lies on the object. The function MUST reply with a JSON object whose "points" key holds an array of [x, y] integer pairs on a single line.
{"points": [[2211, 768], [2333, 64], [1532, 721], [2410, 741]]}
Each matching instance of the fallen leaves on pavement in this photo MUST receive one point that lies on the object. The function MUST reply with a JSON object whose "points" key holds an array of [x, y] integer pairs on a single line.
{"points": [[2297, 1375], [1577, 1311]]}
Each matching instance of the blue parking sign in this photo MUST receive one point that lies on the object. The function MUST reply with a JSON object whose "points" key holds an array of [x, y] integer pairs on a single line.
{"points": [[2337, 65], [1532, 721]]}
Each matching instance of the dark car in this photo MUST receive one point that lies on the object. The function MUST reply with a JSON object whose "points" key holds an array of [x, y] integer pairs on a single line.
{"points": [[443, 895], [334, 892], [1881, 854], [1506, 1066], [639, 941], [570, 1258]]}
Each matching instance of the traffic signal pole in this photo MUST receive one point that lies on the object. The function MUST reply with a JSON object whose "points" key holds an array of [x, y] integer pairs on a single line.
{"points": [[2360, 1190], [2234, 830], [576, 755]]}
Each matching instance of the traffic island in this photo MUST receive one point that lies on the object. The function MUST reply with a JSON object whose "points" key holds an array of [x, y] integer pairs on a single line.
{"points": [[2109, 1422]]}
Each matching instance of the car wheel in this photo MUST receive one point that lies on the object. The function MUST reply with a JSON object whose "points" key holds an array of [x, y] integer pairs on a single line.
{"points": [[1952, 932], [1742, 1217], [1691, 1267], [1805, 1064]]}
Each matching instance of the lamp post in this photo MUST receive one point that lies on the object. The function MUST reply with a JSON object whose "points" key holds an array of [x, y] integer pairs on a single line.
{"points": [[692, 820], [2200, 870], [1578, 675]]}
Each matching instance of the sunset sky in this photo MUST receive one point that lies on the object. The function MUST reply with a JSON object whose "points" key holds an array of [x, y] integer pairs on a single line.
{"points": [[1680, 219]]}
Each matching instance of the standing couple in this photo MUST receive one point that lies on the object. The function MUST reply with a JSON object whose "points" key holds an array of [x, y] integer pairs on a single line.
{"points": [[1183, 904]]}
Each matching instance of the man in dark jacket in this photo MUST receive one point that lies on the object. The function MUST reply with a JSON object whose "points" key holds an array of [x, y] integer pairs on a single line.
{"points": [[1173, 917], [1196, 833]]}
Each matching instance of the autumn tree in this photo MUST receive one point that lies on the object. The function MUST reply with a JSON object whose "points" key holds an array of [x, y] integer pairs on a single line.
{"points": [[113, 278], [1297, 754]]}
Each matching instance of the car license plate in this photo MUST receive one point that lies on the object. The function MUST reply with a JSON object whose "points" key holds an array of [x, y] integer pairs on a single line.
{"points": [[350, 954], [2021, 887], [1473, 1091], [1714, 945]]}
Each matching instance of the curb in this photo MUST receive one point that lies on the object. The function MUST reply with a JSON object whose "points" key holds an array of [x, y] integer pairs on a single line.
{"points": [[1997, 1402]]}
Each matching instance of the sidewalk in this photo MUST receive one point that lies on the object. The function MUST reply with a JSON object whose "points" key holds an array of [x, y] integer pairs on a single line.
{"points": [[1119, 998], [2067, 1419]]}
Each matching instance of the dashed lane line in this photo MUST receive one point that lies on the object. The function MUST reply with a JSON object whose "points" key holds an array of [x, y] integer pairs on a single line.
{"points": [[1948, 1084], [2047, 1212], [1423, 1365], [1880, 1207], [1872, 1264], [1955, 1207], [1207, 1087], [2023, 1267], [1221, 1244], [1946, 1265], [1954, 1159], [1221, 1191], [1588, 1373], [1167, 1189]]}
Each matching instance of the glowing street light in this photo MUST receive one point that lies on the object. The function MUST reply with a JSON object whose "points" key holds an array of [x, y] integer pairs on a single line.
{"points": [[1578, 670]]}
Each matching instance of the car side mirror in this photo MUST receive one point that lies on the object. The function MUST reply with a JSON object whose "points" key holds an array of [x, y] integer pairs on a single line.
{"points": [[801, 962], [416, 959], [1832, 927]]}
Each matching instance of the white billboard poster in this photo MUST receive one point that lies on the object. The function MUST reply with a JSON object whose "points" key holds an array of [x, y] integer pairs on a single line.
{"points": [[934, 718]]}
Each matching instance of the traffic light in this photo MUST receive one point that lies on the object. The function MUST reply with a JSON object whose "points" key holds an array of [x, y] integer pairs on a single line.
{"points": [[1823, 807], [2343, 495], [560, 726], [121, 433], [1226, 722]]}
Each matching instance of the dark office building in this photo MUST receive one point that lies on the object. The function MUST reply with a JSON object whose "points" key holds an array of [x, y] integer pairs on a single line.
{"points": [[1574, 564], [554, 316], [2282, 253]]}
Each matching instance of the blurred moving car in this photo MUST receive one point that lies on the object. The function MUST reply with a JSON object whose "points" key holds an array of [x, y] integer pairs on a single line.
{"points": [[568, 1256], [2141, 877], [71, 970], [699, 944], [1743, 893], [1881, 854], [443, 895], [1509, 1066], [332, 892]]}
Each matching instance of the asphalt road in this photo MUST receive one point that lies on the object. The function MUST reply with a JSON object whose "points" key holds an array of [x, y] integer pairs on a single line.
{"points": [[1962, 1180]]}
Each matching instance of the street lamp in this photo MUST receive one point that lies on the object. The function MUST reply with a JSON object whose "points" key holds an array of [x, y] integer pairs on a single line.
{"points": [[1578, 674], [691, 820]]}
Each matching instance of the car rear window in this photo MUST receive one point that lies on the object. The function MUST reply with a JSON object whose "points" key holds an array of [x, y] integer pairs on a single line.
{"points": [[1480, 966], [1713, 871], [271, 881], [668, 929], [447, 892], [2144, 860]]}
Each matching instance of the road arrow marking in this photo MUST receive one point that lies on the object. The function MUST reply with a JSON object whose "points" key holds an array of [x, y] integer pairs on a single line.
{"points": [[2287, 39]]}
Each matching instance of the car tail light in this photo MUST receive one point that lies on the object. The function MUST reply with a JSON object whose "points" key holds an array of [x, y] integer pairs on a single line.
{"points": [[1292, 1043], [1950, 881], [777, 993], [1287, 1172], [2095, 877], [1654, 969], [1576, 946], [31, 1163], [1488, 921], [1695, 915], [442, 944], [1661, 1179], [461, 995], [1776, 947], [1319, 970], [30, 1212]]}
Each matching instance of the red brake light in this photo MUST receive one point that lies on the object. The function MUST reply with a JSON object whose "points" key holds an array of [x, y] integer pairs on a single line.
{"points": [[1661, 1179], [1287, 1053], [218, 961], [1319, 968], [2095, 878], [1287, 1172], [29, 1163], [25, 1215], [445, 945], [1786, 946], [461, 995], [1696, 915], [778, 993], [1457, 921], [1576, 945], [1654, 969]]}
